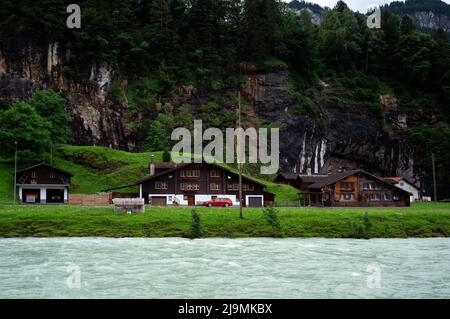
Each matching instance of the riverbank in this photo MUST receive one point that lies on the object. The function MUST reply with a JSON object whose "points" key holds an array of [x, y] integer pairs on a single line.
{"points": [[422, 220]]}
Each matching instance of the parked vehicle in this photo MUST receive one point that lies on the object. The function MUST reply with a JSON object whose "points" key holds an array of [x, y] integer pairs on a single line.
{"points": [[219, 202]]}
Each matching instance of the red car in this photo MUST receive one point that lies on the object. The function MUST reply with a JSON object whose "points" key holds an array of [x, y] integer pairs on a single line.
{"points": [[220, 202]]}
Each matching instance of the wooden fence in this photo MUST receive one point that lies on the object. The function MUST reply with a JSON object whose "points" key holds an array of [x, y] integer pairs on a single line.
{"points": [[90, 200]]}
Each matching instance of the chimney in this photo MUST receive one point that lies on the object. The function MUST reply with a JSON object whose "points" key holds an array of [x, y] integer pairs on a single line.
{"points": [[151, 166]]}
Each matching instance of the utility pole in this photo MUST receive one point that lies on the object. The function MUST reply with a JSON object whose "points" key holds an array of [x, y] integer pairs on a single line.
{"points": [[15, 171], [433, 160], [241, 215]]}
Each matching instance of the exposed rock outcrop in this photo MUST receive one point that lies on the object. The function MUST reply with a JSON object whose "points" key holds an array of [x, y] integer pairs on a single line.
{"points": [[352, 138], [25, 68], [430, 20]]}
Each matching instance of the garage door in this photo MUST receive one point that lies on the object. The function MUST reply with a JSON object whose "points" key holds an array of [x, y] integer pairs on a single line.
{"points": [[159, 201], [255, 202]]}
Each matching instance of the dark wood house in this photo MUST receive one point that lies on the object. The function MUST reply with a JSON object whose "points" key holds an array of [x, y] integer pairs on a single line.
{"points": [[43, 184], [193, 184], [287, 179], [351, 188]]}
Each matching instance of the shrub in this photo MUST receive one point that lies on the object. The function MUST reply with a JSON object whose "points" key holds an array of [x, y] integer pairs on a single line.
{"points": [[196, 227], [273, 220], [361, 230], [166, 157]]}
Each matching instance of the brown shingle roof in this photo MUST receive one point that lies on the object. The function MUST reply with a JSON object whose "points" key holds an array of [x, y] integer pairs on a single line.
{"points": [[332, 178], [165, 165], [45, 164], [311, 179], [288, 176]]}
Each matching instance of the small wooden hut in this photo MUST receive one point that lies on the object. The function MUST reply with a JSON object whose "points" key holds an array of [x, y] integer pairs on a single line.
{"points": [[129, 205]]}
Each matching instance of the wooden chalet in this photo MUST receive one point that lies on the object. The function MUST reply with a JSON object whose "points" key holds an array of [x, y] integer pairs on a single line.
{"points": [[287, 179], [193, 184], [351, 188], [43, 184]]}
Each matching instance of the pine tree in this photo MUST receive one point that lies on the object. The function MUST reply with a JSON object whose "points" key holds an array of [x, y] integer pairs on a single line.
{"points": [[407, 25], [262, 27]]}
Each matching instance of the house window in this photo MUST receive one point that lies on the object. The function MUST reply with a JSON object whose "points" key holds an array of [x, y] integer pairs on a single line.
{"points": [[33, 174], [189, 187], [347, 197], [372, 186], [190, 173], [386, 196], [215, 174], [52, 175], [214, 187], [161, 185], [248, 187]]}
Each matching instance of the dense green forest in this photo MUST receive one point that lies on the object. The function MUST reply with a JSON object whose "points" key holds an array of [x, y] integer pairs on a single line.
{"points": [[159, 45]]}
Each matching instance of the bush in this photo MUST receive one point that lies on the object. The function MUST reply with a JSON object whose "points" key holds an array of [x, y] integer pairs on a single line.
{"points": [[361, 230], [166, 157], [196, 227], [273, 220]]}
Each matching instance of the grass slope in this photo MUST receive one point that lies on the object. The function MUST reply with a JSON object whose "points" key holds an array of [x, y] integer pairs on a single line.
{"points": [[98, 168], [57, 221], [6, 181]]}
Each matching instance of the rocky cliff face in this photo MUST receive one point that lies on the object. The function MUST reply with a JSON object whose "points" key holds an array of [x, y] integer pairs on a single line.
{"points": [[351, 139], [25, 68], [430, 20]]}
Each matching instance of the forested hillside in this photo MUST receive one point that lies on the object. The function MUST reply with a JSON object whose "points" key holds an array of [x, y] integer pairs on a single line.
{"points": [[344, 96]]}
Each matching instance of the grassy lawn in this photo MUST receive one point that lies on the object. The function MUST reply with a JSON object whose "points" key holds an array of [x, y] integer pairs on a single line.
{"points": [[6, 182], [427, 220], [98, 168]]}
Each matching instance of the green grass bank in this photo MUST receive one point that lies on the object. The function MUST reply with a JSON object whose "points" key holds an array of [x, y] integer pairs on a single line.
{"points": [[421, 220]]}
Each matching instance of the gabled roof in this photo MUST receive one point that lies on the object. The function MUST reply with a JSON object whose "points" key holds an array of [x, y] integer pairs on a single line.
{"points": [[45, 164], [399, 179], [288, 176], [393, 179], [165, 165], [333, 178], [311, 179]]}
